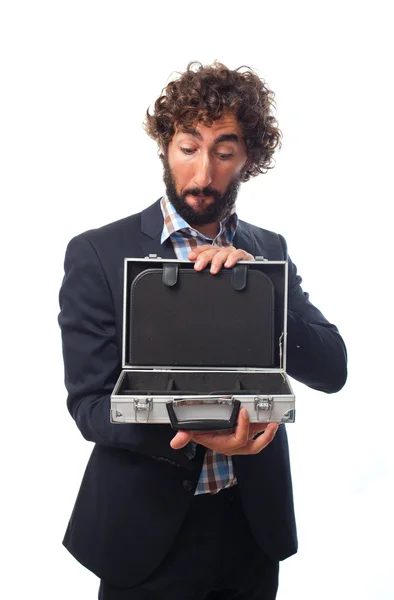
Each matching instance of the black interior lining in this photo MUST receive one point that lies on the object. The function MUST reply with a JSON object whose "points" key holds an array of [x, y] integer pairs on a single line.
{"points": [[202, 321], [276, 273], [156, 383]]}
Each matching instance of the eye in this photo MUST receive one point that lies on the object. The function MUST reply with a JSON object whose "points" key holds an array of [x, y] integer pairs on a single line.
{"points": [[224, 156], [187, 151]]}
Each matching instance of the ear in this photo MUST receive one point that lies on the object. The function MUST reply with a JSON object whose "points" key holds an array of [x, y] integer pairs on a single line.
{"points": [[161, 151]]}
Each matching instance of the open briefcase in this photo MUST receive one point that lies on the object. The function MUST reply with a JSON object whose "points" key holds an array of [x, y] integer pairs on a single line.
{"points": [[197, 347]]}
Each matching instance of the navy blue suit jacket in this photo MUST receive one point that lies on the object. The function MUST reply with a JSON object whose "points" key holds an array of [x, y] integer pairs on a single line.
{"points": [[136, 490]]}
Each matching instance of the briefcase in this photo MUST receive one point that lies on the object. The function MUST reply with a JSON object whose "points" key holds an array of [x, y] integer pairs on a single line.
{"points": [[197, 347]]}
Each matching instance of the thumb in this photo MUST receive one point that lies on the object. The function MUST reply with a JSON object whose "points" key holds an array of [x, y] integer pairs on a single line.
{"points": [[181, 439]]}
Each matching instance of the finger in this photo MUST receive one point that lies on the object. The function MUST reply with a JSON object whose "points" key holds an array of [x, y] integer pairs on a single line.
{"points": [[193, 254], [239, 438], [224, 441], [180, 440], [253, 436], [256, 446], [205, 257], [236, 256], [255, 428], [241, 434], [220, 258]]}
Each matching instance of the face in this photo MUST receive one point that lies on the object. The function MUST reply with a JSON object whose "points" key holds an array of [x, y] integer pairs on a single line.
{"points": [[202, 170]]}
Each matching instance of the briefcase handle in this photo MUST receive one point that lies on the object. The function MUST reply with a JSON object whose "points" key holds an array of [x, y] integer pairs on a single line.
{"points": [[203, 424]]}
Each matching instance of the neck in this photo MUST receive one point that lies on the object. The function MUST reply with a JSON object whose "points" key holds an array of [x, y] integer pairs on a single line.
{"points": [[210, 230]]}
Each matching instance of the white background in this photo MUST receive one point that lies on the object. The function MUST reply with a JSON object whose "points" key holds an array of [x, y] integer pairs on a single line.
{"points": [[76, 79]]}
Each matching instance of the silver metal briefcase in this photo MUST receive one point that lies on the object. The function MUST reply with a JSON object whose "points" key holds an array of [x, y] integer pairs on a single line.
{"points": [[197, 347]]}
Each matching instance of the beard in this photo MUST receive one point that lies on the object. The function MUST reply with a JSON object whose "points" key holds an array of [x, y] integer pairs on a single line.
{"points": [[215, 212]]}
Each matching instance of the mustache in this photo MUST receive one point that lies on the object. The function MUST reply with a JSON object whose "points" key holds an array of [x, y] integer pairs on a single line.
{"points": [[207, 191]]}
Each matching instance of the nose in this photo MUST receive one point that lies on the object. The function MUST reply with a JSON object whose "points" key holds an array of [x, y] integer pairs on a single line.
{"points": [[203, 173]]}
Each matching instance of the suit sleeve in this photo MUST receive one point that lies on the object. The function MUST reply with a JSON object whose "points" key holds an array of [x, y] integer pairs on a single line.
{"points": [[316, 353], [92, 359]]}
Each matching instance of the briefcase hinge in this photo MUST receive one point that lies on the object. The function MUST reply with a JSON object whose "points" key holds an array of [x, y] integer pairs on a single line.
{"points": [[261, 258], [281, 351], [153, 257], [263, 404]]}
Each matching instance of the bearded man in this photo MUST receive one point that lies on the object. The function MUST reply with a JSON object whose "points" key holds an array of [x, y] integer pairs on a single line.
{"points": [[189, 515]]}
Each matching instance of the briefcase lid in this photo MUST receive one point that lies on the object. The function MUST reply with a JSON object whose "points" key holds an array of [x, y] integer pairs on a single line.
{"points": [[176, 317]]}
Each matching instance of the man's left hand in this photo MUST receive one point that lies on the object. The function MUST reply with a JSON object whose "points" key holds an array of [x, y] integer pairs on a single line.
{"points": [[244, 440], [218, 257]]}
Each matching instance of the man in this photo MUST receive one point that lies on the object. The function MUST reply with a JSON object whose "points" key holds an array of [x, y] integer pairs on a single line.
{"points": [[186, 515]]}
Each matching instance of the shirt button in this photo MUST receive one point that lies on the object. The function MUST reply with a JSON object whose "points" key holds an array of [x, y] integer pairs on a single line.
{"points": [[187, 485], [193, 233]]}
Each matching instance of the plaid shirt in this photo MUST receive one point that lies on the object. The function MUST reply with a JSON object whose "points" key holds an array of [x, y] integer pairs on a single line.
{"points": [[217, 471]]}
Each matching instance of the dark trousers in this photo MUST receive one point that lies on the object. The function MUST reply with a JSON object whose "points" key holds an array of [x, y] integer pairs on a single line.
{"points": [[214, 557]]}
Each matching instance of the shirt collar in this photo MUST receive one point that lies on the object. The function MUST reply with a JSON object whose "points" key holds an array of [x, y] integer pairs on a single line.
{"points": [[173, 222]]}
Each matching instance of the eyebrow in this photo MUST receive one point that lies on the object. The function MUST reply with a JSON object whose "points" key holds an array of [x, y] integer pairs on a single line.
{"points": [[225, 137]]}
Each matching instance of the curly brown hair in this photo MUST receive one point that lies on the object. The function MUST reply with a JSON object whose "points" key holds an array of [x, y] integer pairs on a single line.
{"points": [[202, 94]]}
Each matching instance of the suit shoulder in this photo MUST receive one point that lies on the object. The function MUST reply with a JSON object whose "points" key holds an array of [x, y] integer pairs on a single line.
{"points": [[104, 234], [103, 242]]}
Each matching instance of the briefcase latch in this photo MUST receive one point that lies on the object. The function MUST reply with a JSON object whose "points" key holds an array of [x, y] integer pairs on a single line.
{"points": [[261, 258], [142, 408], [263, 404]]}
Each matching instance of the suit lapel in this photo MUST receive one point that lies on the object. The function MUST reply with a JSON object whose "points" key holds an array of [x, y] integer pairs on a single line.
{"points": [[153, 246], [151, 228], [244, 240]]}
